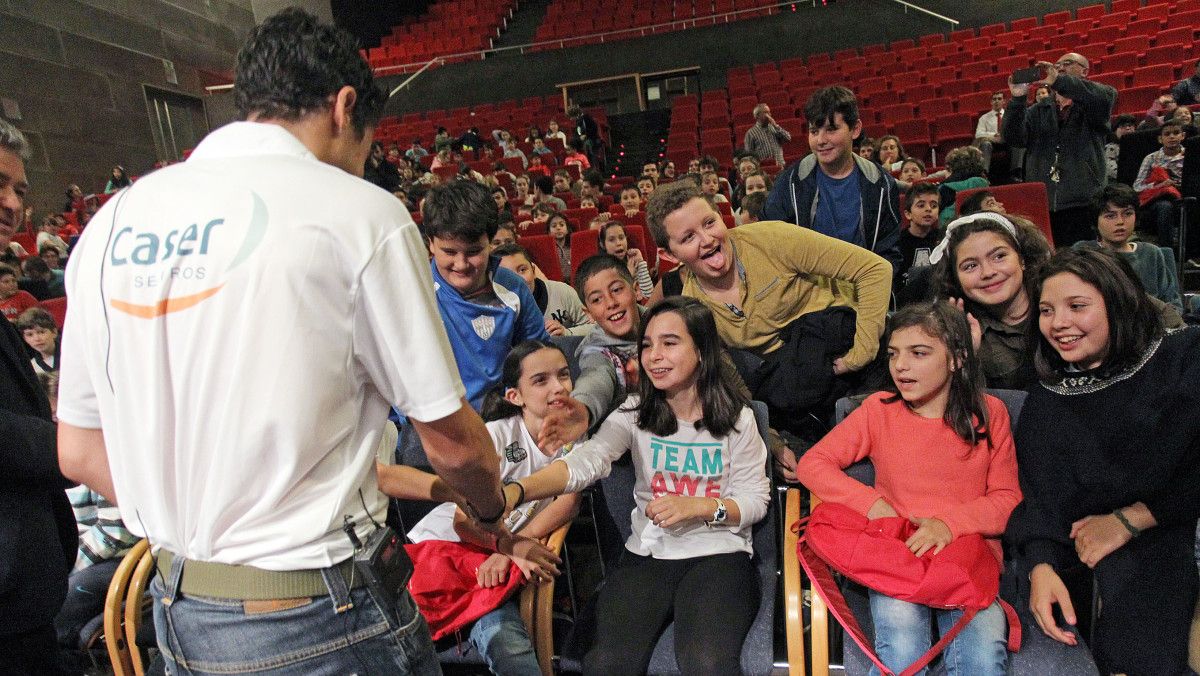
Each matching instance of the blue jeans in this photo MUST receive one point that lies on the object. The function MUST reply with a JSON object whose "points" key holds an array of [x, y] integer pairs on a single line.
{"points": [[500, 637], [202, 635], [902, 636]]}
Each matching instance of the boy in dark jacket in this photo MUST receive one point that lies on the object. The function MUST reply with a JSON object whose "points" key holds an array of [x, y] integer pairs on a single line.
{"points": [[833, 190], [1064, 139]]}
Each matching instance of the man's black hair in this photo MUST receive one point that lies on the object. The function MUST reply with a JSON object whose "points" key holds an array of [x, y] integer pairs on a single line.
{"points": [[1123, 119], [461, 210], [291, 66], [825, 103], [545, 184]]}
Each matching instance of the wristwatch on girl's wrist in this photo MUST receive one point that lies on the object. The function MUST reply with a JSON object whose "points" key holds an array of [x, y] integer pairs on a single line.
{"points": [[719, 515]]}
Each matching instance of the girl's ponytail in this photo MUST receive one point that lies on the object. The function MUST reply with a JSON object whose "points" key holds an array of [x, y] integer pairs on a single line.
{"points": [[496, 407]]}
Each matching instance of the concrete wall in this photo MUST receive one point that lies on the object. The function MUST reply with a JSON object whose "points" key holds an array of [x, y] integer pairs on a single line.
{"points": [[76, 71], [714, 49]]}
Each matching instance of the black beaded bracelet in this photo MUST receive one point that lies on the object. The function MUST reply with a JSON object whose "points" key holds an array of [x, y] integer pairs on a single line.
{"points": [[1133, 530], [520, 496]]}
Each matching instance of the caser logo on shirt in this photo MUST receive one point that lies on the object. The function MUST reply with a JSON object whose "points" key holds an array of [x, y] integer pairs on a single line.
{"points": [[176, 271]]}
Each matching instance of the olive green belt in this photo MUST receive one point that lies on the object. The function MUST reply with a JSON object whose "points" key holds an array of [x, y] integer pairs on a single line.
{"points": [[247, 583]]}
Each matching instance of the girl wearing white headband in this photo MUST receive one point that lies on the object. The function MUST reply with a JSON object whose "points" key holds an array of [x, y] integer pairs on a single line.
{"points": [[985, 262]]}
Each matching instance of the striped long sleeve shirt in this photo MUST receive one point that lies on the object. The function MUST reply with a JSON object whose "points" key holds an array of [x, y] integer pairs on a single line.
{"points": [[102, 534]]}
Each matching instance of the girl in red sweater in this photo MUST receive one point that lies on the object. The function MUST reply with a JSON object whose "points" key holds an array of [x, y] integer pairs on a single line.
{"points": [[944, 458]]}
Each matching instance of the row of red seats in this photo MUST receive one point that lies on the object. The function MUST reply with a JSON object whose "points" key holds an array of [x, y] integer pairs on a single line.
{"points": [[571, 19], [454, 27]]}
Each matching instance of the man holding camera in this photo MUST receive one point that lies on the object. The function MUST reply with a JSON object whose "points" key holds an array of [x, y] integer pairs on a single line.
{"points": [[1064, 139]]}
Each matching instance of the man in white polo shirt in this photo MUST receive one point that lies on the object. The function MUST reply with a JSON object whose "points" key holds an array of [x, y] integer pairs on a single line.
{"points": [[240, 324]]}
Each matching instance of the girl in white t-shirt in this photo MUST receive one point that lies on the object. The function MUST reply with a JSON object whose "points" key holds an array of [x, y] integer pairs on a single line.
{"points": [[701, 484], [534, 381]]}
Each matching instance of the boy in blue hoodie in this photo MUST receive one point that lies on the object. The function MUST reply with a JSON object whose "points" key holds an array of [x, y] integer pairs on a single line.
{"points": [[833, 190]]}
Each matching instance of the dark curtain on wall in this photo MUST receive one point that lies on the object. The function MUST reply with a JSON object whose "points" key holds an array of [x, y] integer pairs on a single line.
{"points": [[370, 21]]}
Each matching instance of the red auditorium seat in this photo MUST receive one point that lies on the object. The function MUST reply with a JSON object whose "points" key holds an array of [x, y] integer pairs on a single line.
{"points": [[1090, 12], [1125, 6], [1184, 35], [1117, 63], [1058, 18], [977, 69], [888, 97], [906, 80], [1025, 23], [584, 245], [934, 108], [1009, 39], [914, 129], [541, 249], [1105, 34], [1114, 19], [1136, 100], [1154, 12], [955, 89], [1043, 32], [1145, 27], [57, 307], [1079, 26], [976, 103], [1022, 199], [1170, 53], [977, 44], [894, 113], [1162, 74], [1114, 80], [962, 35], [953, 130], [992, 29], [993, 54]]}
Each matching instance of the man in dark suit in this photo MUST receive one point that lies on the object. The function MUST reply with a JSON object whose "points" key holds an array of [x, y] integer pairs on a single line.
{"points": [[38, 539]]}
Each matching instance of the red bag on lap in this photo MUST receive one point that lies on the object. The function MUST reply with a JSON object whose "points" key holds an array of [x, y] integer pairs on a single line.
{"points": [[964, 575], [446, 589]]}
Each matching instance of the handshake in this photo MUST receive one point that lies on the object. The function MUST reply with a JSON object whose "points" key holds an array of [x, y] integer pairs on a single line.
{"points": [[492, 531]]}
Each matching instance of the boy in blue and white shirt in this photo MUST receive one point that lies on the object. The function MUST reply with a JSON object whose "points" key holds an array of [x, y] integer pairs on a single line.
{"points": [[485, 308]]}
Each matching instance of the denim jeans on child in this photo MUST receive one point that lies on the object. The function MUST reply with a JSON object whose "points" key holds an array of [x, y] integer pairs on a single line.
{"points": [[201, 635], [500, 637], [902, 635]]}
